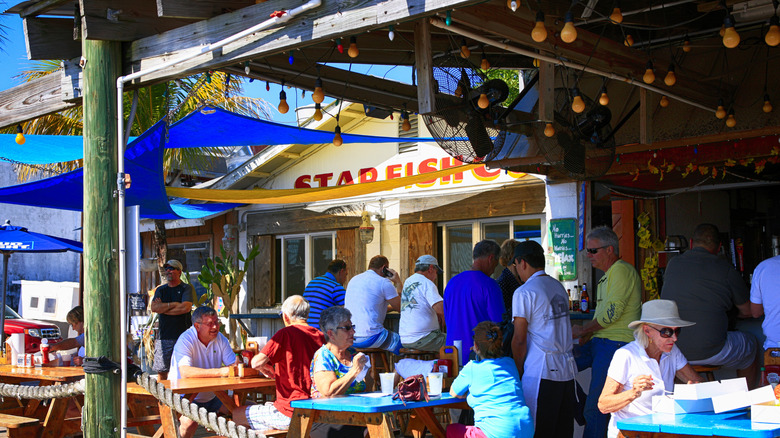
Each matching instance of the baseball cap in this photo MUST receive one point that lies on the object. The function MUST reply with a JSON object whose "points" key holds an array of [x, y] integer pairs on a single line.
{"points": [[528, 247], [428, 260], [174, 264]]}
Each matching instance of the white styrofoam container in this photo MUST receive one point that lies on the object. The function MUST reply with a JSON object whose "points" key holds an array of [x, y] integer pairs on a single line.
{"points": [[704, 390], [737, 400], [766, 412], [669, 404]]}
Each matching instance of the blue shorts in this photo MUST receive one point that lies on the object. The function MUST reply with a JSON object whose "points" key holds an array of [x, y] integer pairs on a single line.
{"points": [[386, 340]]}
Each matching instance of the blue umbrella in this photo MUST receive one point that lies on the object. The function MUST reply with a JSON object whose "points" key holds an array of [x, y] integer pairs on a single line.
{"points": [[18, 239]]}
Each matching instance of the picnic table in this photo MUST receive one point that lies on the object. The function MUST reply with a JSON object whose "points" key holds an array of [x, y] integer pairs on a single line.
{"points": [[368, 410], [704, 424]]}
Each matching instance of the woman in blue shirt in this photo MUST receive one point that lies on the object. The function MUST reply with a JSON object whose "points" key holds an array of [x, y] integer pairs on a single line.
{"points": [[494, 391]]}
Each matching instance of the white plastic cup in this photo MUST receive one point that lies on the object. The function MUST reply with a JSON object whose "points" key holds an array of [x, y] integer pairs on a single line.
{"points": [[459, 345], [387, 382], [65, 359], [435, 382]]}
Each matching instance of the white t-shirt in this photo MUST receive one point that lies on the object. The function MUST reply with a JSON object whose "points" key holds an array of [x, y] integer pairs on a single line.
{"points": [[631, 361], [765, 290], [189, 351], [367, 298], [418, 318]]}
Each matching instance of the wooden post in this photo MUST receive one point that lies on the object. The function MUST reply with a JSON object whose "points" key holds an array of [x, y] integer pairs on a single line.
{"points": [[101, 271], [426, 100], [546, 91]]}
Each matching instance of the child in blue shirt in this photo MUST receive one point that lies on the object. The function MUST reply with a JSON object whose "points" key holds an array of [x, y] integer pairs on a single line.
{"points": [[494, 391]]}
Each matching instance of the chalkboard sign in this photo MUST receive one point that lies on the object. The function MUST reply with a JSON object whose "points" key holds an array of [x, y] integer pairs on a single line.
{"points": [[563, 233]]}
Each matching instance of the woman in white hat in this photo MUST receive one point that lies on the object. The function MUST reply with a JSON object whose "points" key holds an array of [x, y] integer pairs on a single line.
{"points": [[647, 366]]}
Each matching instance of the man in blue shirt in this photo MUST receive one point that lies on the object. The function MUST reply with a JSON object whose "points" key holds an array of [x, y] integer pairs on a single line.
{"points": [[326, 291]]}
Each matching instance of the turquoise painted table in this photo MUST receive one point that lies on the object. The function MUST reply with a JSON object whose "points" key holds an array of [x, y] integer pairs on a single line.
{"points": [[727, 424], [366, 411]]}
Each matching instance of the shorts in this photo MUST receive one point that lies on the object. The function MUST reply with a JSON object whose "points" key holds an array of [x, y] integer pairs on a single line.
{"points": [[738, 352], [212, 405], [266, 417], [163, 350], [457, 430], [433, 341], [386, 340]]}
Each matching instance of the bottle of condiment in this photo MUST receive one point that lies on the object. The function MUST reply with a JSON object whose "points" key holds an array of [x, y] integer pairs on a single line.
{"points": [[584, 301], [44, 351]]}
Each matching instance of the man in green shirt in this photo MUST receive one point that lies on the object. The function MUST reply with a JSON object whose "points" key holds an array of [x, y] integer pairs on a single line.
{"points": [[619, 302]]}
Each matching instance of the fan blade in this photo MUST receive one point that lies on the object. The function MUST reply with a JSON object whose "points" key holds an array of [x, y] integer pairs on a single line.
{"points": [[573, 153], [478, 135], [598, 117]]}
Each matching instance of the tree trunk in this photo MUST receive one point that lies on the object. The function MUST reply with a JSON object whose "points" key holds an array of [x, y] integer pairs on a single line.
{"points": [[160, 240]]}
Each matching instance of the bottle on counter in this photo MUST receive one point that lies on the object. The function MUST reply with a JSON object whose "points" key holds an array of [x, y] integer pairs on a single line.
{"points": [[568, 292], [575, 299], [584, 299], [44, 351]]}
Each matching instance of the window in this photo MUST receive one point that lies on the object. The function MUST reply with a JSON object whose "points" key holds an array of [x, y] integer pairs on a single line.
{"points": [[300, 258], [34, 302], [50, 305], [193, 256], [459, 238]]}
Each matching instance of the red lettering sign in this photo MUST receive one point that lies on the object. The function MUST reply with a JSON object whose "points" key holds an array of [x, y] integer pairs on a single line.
{"points": [[323, 178], [345, 178], [393, 171], [302, 182], [369, 174]]}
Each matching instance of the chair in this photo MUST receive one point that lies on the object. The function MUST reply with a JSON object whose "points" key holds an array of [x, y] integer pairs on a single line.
{"points": [[411, 353], [707, 370], [772, 356], [379, 362]]}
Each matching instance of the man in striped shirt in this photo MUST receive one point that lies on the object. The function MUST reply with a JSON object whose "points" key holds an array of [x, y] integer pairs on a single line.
{"points": [[326, 291]]}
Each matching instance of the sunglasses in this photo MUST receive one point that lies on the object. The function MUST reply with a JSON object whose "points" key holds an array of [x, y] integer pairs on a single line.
{"points": [[595, 250], [170, 268], [346, 328], [667, 332]]}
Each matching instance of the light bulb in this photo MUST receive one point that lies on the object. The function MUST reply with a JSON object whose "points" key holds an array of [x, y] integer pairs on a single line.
{"points": [[731, 121], [283, 107], [730, 35], [629, 41], [20, 135], [317, 112], [353, 51], [722, 30], [720, 112], [391, 33], [464, 49], [291, 59], [604, 99], [337, 140], [649, 76], [448, 18], [664, 102], [616, 16], [772, 37], [512, 4], [670, 78], [686, 45], [485, 64], [339, 46], [577, 104], [267, 86], [247, 70], [549, 131], [539, 32], [405, 126], [483, 101], [569, 32], [767, 108], [318, 96], [536, 63]]}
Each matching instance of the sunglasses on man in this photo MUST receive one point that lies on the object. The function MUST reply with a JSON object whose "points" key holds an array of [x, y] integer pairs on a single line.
{"points": [[171, 268], [667, 332]]}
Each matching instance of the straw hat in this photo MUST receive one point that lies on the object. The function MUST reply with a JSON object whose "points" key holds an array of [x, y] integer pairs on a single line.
{"points": [[661, 312]]}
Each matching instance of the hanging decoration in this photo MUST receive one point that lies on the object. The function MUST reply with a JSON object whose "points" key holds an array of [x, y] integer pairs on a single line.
{"points": [[318, 95], [649, 76], [339, 46], [549, 130], [603, 97], [670, 79], [720, 112], [577, 104], [539, 32], [730, 120], [730, 34], [353, 50], [391, 33], [647, 241], [317, 112], [283, 106], [569, 32], [337, 140]]}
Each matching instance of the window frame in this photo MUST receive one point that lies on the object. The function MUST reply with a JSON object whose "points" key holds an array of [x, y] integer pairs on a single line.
{"points": [[281, 258]]}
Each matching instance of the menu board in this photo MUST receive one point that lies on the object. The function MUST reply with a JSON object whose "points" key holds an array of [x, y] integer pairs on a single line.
{"points": [[563, 233]]}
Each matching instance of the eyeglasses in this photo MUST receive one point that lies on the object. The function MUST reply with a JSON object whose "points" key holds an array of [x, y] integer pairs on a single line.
{"points": [[346, 328], [667, 332], [595, 250], [171, 268]]}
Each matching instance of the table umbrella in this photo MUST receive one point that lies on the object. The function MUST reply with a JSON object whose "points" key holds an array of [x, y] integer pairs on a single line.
{"points": [[18, 239]]}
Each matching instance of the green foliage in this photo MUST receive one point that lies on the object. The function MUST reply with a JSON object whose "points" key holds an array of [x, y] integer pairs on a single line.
{"points": [[511, 77], [222, 278]]}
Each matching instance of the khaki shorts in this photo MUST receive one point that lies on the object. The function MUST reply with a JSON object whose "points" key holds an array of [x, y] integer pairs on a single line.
{"points": [[433, 341]]}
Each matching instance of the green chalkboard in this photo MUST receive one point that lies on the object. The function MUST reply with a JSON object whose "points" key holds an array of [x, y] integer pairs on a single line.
{"points": [[563, 233]]}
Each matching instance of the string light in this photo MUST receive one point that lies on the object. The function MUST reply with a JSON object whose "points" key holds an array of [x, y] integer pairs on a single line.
{"points": [[536, 62], [247, 70], [291, 59], [464, 49], [485, 64], [649, 76], [267, 86], [767, 108], [629, 41], [483, 101], [512, 4], [337, 140], [730, 35], [339, 46], [577, 104], [720, 112], [731, 121], [317, 112], [616, 16], [687, 44], [539, 32], [549, 130], [772, 37], [391, 33], [283, 107], [318, 95], [569, 32], [406, 125], [448, 18], [670, 78], [664, 102], [604, 98], [353, 50], [19, 135]]}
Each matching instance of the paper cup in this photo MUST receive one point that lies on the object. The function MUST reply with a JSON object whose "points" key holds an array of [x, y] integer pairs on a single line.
{"points": [[435, 382], [65, 359], [387, 382]]}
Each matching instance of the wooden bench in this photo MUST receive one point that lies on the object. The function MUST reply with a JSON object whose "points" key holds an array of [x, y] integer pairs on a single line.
{"points": [[20, 426], [707, 370]]}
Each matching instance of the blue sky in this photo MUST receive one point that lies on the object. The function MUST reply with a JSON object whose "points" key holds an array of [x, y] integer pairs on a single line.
{"points": [[13, 60]]}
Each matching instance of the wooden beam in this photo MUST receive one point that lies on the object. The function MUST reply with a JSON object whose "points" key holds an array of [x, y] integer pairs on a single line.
{"points": [[704, 139], [32, 9], [259, 174], [546, 91], [124, 20], [645, 116], [199, 9], [290, 155], [32, 99], [426, 86], [50, 38]]}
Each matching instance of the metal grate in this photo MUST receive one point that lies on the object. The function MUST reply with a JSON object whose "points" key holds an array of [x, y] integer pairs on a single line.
{"points": [[50, 333], [408, 146]]}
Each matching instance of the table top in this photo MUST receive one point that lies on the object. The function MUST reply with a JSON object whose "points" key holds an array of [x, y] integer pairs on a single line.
{"points": [[210, 384], [732, 424], [356, 403], [54, 374]]}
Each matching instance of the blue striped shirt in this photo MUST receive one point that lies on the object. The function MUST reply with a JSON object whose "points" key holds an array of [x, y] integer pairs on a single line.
{"points": [[321, 293]]}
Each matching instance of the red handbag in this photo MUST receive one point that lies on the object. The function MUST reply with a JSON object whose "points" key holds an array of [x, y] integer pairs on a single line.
{"points": [[412, 389]]}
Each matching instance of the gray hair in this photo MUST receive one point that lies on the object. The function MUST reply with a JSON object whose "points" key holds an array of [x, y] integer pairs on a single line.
{"points": [[200, 312], [331, 317], [607, 237], [296, 307], [422, 267], [485, 248], [641, 336]]}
